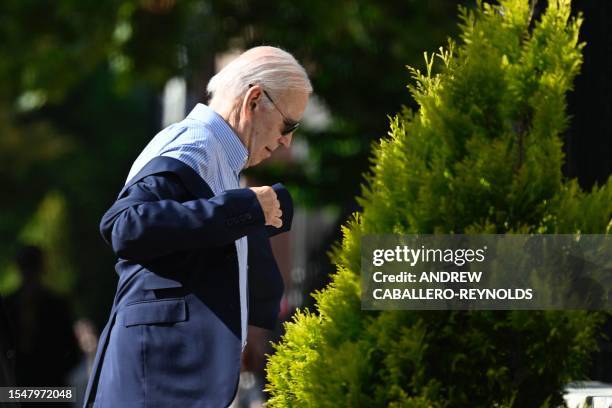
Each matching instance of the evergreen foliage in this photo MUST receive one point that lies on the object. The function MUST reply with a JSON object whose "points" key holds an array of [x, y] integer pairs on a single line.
{"points": [[481, 155]]}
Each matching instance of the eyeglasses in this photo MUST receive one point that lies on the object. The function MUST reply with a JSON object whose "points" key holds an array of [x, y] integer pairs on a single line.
{"points": [[290, 125]]}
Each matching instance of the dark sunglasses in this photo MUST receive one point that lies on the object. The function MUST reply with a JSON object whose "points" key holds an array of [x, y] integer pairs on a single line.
{"points": [[290, 126]]}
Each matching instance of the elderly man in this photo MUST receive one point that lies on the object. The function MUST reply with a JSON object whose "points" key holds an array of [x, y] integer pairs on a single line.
{"points": [[195, 264]]}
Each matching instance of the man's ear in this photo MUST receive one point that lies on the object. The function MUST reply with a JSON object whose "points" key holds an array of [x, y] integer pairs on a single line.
{"points": [[251, 98]]}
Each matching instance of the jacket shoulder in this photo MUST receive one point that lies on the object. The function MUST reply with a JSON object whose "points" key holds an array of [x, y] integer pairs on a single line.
{"points": [[186, 176], [159, 186]]}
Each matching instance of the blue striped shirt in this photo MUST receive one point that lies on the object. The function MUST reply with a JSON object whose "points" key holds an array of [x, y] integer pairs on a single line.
{"points": [[206, 143]]}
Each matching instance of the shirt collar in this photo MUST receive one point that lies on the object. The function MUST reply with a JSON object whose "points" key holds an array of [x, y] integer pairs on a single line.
{"points": [[237, 154]]}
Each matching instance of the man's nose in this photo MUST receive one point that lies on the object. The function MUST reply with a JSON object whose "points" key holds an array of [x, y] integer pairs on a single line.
{"points": [[286, 140]]}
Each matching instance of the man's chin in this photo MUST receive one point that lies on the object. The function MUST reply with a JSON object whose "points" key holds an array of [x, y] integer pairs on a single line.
{"points": [[255, 161], [265, 155]]}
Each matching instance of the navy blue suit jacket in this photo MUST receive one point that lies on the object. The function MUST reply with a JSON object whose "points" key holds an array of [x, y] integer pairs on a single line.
{"points": [[173, 336]]}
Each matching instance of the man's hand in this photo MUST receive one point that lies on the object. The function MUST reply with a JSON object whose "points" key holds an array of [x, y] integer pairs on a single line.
{"points": [[269, 204]]}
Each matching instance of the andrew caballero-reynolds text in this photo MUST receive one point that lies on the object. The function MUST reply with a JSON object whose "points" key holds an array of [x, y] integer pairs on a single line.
{"points": [[458, 257]]}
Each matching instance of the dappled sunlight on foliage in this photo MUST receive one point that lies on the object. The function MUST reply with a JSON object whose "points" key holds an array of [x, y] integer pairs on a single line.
{"points": [[481, 155]]}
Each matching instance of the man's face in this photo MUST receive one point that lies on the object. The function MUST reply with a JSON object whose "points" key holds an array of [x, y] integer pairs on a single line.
{"points": [[265, 125]]}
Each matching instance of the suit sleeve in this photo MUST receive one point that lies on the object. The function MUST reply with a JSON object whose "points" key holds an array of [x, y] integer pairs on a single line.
{"points": [[141, 225], [265, 282], [286, 205]]}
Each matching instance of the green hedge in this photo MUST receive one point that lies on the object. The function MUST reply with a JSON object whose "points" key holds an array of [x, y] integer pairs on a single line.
{"points": [[481, 155]]}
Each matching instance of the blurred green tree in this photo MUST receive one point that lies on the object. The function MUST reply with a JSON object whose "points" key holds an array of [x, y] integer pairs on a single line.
{"points": [[481, 155]]}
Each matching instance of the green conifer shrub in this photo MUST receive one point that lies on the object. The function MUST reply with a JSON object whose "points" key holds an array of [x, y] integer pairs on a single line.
{"points": [[481, 155]]}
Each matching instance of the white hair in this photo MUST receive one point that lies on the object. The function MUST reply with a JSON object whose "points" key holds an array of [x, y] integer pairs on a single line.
{"points": [[272, 68]]}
